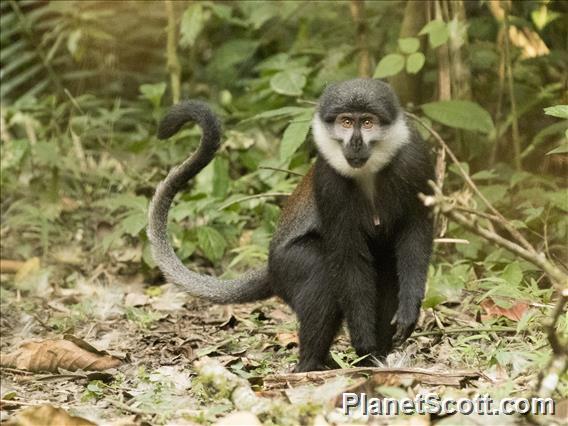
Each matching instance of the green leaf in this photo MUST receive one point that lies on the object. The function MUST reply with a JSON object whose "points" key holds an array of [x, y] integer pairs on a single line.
{"points": [[220, 177], [73, 41], [437, 31], [280, 112], [415, 62], [560, 149], [211, 242], [192, 23], [128, 201], [543, 16], [484, 175], [560, 111], [153, 92], [408, 45], [13, 152], [134, 223], [512, 274], [261, 12], [390, 65], [288, 82], [225, 13], [277, 62], [47, 153], [294, 136], [339, 360], [232, 53], [460, 115]]}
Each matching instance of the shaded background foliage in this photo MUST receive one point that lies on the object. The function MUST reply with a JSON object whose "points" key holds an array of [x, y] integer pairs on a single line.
{"points": [[83, 84]]}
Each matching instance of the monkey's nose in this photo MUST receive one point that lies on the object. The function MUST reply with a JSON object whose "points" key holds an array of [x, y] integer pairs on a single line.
{"points": [[356, 162]]}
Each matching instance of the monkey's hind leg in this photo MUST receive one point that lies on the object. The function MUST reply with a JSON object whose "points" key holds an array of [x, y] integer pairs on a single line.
{"points": [[320, 319], [303, 284]]}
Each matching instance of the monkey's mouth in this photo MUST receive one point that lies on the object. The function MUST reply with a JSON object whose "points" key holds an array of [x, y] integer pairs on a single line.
{"points": [[356, 163]]}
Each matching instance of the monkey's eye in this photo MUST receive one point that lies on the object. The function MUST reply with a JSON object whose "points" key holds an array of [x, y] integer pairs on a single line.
{"points": [[367, 123], [347, 122]]}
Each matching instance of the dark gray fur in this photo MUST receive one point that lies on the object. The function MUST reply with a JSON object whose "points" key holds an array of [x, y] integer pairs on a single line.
{"points": [[359, 95]]}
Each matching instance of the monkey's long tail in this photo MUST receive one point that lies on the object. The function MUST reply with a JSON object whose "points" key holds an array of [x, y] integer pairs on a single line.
{"points": [[253, 285]]}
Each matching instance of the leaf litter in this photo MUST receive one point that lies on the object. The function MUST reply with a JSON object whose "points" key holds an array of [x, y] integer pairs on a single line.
{"points": [[167, 358]]}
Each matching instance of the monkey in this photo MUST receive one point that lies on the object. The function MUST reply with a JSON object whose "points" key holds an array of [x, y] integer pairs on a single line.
{"points": [[353, 242]]}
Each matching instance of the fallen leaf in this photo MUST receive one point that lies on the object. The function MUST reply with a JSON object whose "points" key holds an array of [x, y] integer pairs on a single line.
{"points": [[136, 299], [280, 316], [69, 204], [288, 340], [170, 299], [46, 415], [69, 354], [514, 313]]}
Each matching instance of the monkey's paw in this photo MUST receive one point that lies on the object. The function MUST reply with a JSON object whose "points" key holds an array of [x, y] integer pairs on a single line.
{"points": [[404, 323], [310, 365]]}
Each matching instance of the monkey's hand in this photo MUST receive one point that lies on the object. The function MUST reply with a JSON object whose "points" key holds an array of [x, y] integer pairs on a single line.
{"points": [[404, 321]]}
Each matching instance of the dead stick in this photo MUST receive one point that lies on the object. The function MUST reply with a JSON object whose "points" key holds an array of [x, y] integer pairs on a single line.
{"points": [[472, 185], [10, 266]]}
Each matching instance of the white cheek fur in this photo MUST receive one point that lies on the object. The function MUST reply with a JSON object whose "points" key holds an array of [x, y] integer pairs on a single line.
{"points": [[392, 139]]}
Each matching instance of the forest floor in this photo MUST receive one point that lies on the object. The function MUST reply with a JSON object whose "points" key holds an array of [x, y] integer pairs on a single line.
{"points": [[148, 339]]}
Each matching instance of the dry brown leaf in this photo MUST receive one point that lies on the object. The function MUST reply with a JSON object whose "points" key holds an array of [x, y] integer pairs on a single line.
{"points": [[46, 415], [514, 313], [288, 340], [279, 315], [69, 354], [136, 299]]}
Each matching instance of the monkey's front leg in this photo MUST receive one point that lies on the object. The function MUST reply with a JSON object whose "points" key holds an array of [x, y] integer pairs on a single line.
{"points": [[413, 249]]}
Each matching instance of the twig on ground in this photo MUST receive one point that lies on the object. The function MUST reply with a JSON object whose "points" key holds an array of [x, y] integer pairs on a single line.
{"points": [[420, 374], [13, 402], [496, 329]]}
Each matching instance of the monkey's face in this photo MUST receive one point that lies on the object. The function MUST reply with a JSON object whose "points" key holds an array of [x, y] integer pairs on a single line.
{"points": [[357, 133], [359, 126], [359, 143]]}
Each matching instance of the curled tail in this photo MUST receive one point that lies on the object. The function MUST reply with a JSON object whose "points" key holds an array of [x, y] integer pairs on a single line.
{"points": [[251, 286]]}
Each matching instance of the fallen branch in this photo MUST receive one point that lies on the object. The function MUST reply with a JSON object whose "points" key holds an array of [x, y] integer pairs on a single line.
{"points": [[10, 266], [496, 329], [430, 377]]}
